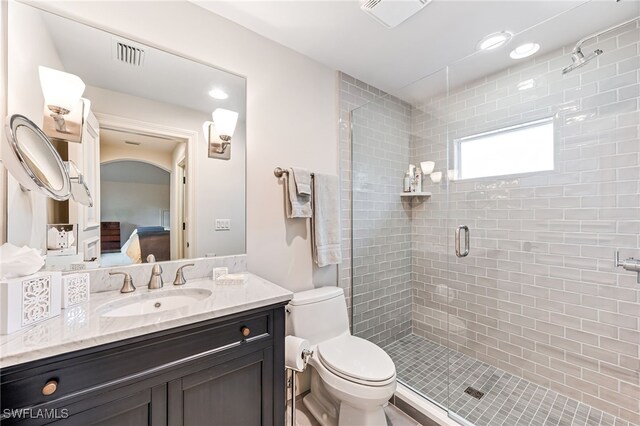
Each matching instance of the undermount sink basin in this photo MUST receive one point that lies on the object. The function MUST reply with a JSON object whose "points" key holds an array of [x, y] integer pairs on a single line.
{"points": [[151, 303]]}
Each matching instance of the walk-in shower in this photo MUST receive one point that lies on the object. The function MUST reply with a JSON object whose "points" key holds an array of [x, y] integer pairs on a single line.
{"points": [[537, 325]]}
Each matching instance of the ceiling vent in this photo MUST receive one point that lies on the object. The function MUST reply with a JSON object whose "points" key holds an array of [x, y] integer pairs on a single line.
{"points": [[133, 143], [392, 13], [128, 54]]}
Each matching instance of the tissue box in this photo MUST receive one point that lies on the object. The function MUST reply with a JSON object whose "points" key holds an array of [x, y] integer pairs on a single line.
{"points": [[29, 300], [75, 289]]}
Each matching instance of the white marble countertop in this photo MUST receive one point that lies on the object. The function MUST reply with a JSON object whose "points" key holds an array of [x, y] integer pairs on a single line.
{"points": [[83, 326]]}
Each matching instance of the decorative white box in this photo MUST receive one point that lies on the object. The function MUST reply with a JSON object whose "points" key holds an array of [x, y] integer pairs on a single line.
{"points": [[232, 279], [75, 289], [29, 300]]}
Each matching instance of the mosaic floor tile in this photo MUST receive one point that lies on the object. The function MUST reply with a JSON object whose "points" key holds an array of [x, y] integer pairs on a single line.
{"points": [[508, 400]]}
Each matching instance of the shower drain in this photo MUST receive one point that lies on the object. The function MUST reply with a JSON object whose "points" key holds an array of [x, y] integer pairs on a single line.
{"points": [[474, 392]]}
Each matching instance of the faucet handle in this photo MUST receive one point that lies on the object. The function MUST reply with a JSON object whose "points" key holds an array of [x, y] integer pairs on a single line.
{"points": [[156, 270], [127, 285], [180, 280]]}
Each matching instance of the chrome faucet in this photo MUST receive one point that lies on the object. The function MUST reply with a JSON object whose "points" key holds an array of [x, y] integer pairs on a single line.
{"points": [[155, 281], [127, 285], [180, 280]]}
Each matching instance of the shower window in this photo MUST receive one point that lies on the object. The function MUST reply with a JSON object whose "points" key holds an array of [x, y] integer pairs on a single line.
{"points": [[523, 148]]}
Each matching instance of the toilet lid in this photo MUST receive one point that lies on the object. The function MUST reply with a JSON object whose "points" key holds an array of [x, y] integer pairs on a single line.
{"points": [[356, 358]]}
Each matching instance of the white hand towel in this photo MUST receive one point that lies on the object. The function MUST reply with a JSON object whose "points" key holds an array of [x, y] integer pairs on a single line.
{"points": [[326, 220], [297, 205], [303, 180]]}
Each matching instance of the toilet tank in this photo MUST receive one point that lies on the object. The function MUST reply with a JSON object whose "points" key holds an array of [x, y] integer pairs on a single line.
{"points": [[318, 314]]}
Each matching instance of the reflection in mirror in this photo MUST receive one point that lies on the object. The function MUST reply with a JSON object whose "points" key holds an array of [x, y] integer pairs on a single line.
{"points": [[143, 156]]}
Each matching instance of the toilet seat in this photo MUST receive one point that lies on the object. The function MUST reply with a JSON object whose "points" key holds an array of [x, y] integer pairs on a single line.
{"points": [[357, 360]]}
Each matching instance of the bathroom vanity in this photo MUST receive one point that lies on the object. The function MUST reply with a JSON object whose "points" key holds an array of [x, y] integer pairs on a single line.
{"points": [[225, 369]]}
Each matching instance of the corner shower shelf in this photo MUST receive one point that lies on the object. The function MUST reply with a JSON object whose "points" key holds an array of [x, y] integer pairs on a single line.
{"points": [[415, 194]]}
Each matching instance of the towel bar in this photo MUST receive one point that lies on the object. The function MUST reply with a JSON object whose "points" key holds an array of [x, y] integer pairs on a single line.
{"points": [[279, 172]]}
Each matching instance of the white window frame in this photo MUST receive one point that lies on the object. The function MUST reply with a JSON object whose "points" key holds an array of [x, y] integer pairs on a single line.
{"points": [[459, 141]]}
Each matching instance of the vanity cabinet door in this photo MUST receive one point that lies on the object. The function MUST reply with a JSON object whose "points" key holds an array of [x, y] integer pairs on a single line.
{"points": [[234, 393], [129, 408]]}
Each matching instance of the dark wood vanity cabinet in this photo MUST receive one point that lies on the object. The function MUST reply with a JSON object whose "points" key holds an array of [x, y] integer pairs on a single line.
{"points": [[227, 371]]}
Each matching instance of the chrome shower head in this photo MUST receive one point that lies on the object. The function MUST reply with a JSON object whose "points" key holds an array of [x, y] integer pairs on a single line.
{"points": [[579, 60]]}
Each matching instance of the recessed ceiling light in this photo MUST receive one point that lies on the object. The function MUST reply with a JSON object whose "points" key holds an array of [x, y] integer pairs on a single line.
{"points": [[495, 40], [218, 94], [524, 50]]}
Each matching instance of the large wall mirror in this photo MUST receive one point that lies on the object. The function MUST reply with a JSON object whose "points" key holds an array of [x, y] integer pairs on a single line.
{"points": [[164, 180]]}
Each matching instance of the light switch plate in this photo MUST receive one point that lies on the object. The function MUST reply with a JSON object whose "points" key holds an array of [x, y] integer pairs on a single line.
{"points": [[223, 224]]}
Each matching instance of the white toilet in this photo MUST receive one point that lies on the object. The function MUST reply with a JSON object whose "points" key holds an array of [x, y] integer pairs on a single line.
{"points": [[351, 378]]}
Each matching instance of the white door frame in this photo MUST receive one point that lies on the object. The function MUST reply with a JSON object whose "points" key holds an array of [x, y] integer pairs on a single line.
{"points": [[110, 121]]}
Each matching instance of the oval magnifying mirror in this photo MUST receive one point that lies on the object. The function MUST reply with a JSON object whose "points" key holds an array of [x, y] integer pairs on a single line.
{"points": [[33, 161]]}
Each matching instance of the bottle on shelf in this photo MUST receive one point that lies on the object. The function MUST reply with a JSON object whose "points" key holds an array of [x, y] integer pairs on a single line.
{"points": [[418, 180], [406, 185]]}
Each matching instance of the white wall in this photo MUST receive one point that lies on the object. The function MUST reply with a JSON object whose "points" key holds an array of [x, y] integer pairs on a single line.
{"points": [[28, 47], [291, 117]]}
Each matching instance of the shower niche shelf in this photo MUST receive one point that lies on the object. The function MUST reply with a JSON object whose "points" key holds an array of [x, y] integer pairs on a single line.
{"points": [[415, 194]]}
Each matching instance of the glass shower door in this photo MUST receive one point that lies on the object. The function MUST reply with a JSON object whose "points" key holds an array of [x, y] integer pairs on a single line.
{"points": [[543, 168], [391, 289]]}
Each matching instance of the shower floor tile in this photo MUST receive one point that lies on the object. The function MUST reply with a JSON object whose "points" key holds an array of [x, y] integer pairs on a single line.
{"points": [[508, 400]]}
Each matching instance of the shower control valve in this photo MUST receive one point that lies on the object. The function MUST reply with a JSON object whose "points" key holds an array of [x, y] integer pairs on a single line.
{"points": [[629, 264]]}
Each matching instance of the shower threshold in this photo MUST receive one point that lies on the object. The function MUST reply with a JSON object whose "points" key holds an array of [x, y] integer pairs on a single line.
{"points": [[508, 400]]}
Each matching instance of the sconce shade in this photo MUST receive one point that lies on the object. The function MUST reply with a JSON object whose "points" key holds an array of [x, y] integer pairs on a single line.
{"points": [[225, 121], [60, 89]]}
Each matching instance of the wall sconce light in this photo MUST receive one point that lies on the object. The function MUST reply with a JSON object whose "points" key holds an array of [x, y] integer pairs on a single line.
{"points": [[218, 133], [64, 110]]}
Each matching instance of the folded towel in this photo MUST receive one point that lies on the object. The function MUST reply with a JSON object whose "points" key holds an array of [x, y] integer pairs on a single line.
{"points": [[297, 205], [326, 220], [302, 178]]}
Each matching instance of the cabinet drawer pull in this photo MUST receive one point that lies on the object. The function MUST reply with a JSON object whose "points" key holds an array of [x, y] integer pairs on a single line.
{"points": [[50, 388], [246, 331]]}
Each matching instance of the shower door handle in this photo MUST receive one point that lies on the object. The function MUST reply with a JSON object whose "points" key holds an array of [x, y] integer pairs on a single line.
{"points": [[459, 229]]}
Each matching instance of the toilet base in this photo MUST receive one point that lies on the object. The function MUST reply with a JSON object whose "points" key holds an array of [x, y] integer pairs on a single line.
{"points": [[319, 411], [331, 407], [349, 416]]}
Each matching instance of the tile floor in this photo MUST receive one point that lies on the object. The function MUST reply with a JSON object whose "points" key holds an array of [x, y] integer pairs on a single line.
{"points": [[508, 400]]}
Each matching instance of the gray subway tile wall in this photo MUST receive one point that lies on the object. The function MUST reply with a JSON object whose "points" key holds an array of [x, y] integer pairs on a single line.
{"points": [[352, 95], [539, 297], [381, 229]]}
